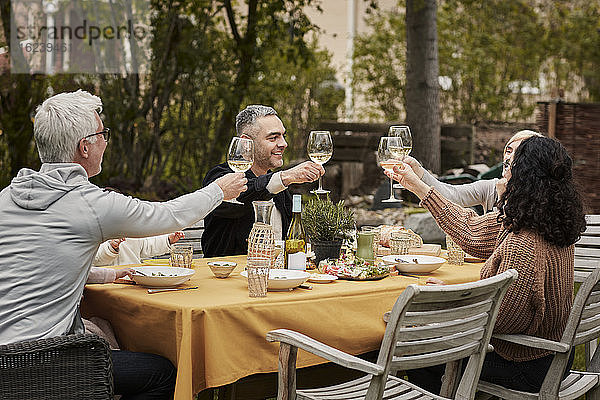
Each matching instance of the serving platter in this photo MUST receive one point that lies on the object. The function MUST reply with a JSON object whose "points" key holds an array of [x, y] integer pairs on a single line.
{"points": [[322, 278], [368, 278]]}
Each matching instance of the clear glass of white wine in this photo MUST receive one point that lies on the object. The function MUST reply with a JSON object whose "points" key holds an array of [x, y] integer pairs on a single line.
{"points": [[320, 150], [240, 156], [403, 132], [389, 155]]}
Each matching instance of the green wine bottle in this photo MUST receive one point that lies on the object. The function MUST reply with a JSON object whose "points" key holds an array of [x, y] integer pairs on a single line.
{"points": [[295, 241]]}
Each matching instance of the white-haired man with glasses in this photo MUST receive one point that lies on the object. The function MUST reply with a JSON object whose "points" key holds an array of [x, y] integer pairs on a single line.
{"points": [[53, 220]]}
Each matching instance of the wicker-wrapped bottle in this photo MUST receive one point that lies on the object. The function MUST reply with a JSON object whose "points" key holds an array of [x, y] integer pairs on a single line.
{"points": [[261, 241]]}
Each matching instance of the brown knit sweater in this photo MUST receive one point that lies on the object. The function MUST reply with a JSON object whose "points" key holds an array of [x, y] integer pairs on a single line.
{"points": [[538, 303]]}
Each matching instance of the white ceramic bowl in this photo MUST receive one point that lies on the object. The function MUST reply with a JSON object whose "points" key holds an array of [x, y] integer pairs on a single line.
{"points": [[415, 263], [162, 276], [221, 269], [284, 279]]}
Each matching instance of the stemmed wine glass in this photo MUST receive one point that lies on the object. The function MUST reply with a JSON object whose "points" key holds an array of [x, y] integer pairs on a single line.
{"points": [[320, 149], [240, 156], [403, 132], [389, 155]]}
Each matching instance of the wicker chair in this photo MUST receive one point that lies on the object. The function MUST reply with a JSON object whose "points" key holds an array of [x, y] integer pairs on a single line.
{"points": [[65, 367]]}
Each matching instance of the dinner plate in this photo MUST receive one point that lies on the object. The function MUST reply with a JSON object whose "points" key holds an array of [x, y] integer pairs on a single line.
{"points": [[283, 279], [162, 276], [415, 263], [322, 278]]}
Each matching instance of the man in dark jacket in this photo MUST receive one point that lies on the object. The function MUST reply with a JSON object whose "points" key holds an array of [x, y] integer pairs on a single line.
{"points": [[228, 226]]}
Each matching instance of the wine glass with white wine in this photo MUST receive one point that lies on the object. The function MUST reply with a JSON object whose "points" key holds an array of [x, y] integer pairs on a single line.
{"points": [[320, 150], [388, 157], [403, 132], [240, 156]]}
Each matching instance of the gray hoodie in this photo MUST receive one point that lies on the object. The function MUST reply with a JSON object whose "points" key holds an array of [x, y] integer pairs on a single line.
{"points": [[51, 224]]}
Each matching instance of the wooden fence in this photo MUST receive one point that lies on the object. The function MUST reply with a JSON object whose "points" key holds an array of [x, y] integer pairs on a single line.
{"points": [[577, 126], [354, 167]]}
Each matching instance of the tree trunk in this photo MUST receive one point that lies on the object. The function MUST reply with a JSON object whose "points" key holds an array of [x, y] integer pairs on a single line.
{"points": [[422, 87], [247, 52]]}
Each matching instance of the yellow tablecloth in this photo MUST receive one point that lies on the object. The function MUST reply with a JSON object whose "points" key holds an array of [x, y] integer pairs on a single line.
{"points": [[215, 334]]}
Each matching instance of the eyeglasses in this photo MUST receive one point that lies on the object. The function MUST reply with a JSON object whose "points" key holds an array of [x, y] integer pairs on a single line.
{"points": [[105, 132]]}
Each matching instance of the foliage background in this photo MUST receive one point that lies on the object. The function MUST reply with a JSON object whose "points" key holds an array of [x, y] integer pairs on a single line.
{"points": [[210, 59], [213, 57], [494, 52]]}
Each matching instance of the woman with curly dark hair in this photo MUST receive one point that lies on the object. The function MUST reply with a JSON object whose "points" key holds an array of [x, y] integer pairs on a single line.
{"points": [[540, 217]]}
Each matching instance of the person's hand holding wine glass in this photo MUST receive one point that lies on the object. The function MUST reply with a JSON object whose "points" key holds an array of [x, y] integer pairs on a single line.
{"points": [[240, 156], [320, 150], [404, 174], [389, 155], [403, 132]]}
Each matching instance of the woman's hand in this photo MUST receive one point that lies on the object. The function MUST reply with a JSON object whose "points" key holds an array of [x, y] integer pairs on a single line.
{"points": [[501, 186], [415, 165], [115, 243], [434, 281], [123, 272], [405, 175], [175, 236]]}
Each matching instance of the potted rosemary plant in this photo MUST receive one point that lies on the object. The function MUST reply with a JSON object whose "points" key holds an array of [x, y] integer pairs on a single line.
{"points": [[327, 224]]}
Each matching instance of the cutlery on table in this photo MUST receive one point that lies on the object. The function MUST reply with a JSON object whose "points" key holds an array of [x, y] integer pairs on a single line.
{"points": [[170, 289], [136, 272], [409, 275], [308, 287]]}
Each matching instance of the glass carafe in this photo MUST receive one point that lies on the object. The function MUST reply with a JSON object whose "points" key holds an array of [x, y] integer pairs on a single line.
{"points": [[261, 241]]}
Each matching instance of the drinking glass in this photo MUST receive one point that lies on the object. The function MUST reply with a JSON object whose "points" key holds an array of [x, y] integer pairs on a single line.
{"points": [[240, 156], [400, 243], [258, 276], [181, 255], [456, 255], [387, 157], [320, 149], [375, 230], [403, 132]]}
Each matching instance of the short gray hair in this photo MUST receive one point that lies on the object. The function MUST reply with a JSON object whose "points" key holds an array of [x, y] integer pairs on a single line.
{"points": [[62, 121], [245, 120]]}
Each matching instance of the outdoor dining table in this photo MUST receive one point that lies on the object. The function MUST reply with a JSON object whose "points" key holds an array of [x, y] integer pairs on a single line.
{"points": [[215, 335]]}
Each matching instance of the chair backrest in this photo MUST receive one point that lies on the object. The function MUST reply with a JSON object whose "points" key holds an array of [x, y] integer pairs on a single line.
{"points": [[65, 367], [582, 326], [587, 248], [431, 325]]}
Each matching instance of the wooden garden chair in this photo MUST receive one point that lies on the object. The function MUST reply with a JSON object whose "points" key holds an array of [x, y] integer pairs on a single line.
{"points": [[428, 325], [587, 257], [587, 248], [582, 326]]}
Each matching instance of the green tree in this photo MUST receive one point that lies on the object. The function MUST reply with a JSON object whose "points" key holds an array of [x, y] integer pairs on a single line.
{"points": [[492, 52], [572, 42], [209, 59]]}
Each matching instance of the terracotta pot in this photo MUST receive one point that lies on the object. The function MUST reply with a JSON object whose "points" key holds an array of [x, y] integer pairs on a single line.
{"points": [[326, 249]]}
